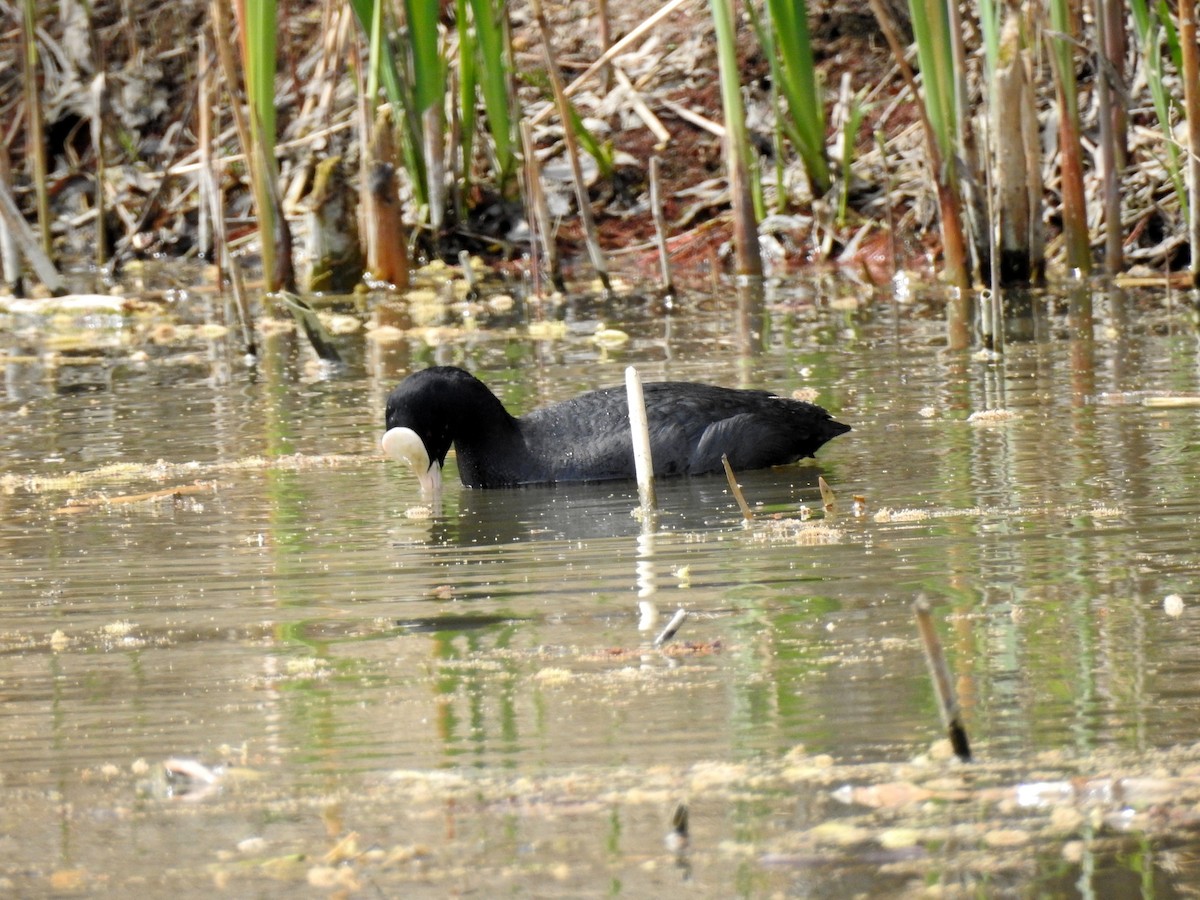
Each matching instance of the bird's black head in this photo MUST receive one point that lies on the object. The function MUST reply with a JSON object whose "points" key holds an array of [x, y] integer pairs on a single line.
{"points": [[419, 403], [430, 410]]}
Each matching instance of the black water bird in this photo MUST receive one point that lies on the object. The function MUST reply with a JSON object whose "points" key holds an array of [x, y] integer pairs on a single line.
{"points": [[588, 438]]}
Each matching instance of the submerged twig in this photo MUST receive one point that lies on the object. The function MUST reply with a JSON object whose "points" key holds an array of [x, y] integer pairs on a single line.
{"points": [[173, 493], [736, 489]]}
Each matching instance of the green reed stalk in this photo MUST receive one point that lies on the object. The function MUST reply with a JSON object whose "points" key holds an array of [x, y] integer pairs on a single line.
{"points": [[792, 67], [35, 142], [602, 153], [937, 116], [935, 53], [1070, 147], [494, 71], [931, 28], [989, 26], [468, 84], [1110, 144], [737, 146], [257, 20], [1191, 103], [384, 67], [428, 64], [428, 70], [1151, 31]]}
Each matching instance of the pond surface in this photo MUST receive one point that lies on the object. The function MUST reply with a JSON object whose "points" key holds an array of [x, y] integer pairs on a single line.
{"points": [[216, 569]]}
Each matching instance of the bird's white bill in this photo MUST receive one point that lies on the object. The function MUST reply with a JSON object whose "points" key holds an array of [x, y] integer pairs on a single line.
{"points": [[405, 445]]}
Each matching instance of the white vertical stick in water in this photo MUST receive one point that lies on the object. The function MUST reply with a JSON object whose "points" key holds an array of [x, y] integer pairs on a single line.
{"points": [[643, 464]]}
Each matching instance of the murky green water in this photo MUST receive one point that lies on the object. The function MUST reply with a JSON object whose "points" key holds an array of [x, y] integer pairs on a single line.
{"points": [[469, 692]]}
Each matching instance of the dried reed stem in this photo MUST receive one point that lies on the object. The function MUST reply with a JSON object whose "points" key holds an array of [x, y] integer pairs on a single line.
{"points": [[660, 227], [540, 208], [572, 147]]}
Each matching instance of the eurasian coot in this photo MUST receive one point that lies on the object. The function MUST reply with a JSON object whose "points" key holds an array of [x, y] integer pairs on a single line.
{"points": [[588, 439]]}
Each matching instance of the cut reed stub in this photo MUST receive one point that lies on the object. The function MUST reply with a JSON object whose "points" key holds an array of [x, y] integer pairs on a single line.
{"points": [[939, 672], [643, 462], [828, 497]]}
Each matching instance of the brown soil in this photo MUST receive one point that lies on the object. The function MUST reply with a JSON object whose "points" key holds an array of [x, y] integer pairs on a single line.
{"points": [[151, 67]]}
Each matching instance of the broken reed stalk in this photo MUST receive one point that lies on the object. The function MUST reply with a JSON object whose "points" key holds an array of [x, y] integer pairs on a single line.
{"points": [[662, 136], [1191, 102], [317, 335], [571, 143], [35, 140], [736, 145], [1017, 168], [387, 240], [660, 227], [736, 489], [939, 673], [828, 497], [540, 207], [643, 462], [28, 242]]}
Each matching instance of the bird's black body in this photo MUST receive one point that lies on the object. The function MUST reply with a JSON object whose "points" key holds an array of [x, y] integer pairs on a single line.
{"points": [[588, 438]]}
